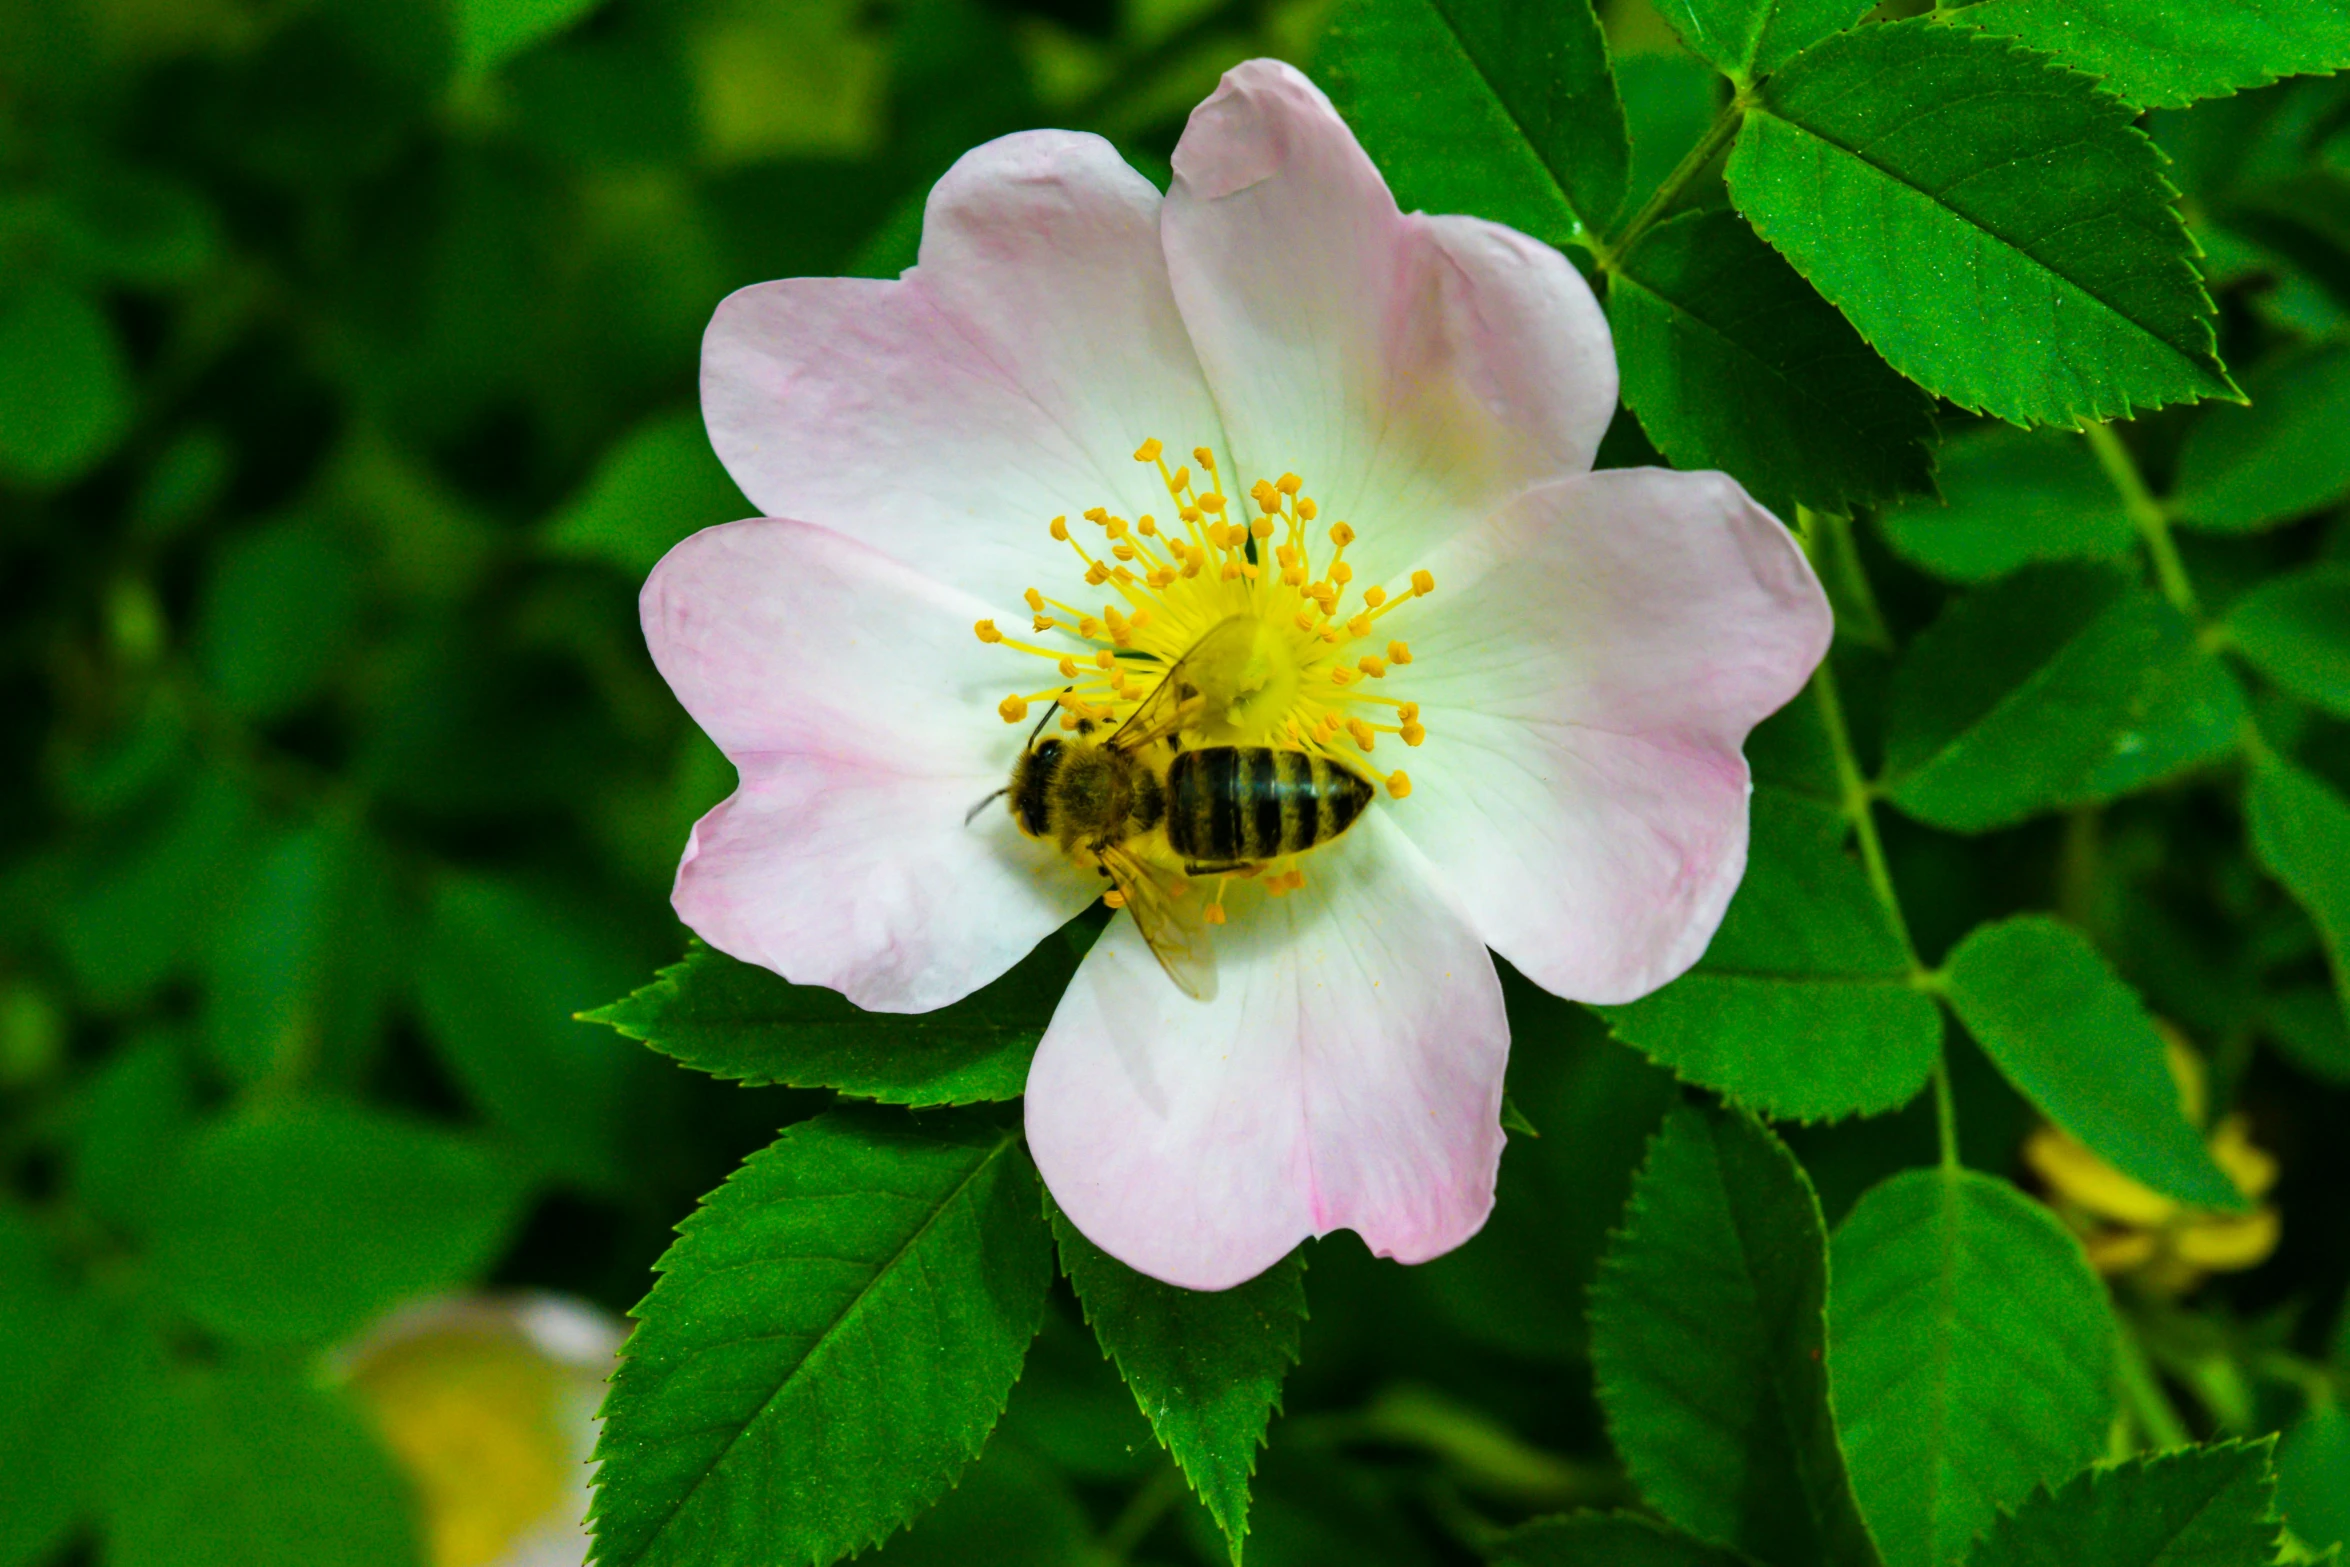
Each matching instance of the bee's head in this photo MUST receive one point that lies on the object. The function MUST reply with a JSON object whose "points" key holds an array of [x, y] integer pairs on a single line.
{"points": [[1032, 781]]}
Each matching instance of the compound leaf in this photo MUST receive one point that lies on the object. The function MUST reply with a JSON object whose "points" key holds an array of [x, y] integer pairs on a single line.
{"points": [[2301, 832], [2074, 1040], [2278, 457], [1502, 108], [832, 1337], [1709, 1337], [1973, 1350], [2295, 629], [2060, 684], [2163, 54], [1732, 361], [1745, 39], [739, 1021], [2196, 1507], [1991, 222], [2009, 498], [1205, 1366]]}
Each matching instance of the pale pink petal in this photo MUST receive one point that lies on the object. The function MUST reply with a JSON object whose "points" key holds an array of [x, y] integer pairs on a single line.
{"points": [[853, 696], [1588, 669], [1006, 379], [1415, 371], [1347, 1075]]}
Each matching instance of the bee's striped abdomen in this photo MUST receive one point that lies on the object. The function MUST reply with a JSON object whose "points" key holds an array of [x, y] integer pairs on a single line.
{"points": [[1235, 805]]}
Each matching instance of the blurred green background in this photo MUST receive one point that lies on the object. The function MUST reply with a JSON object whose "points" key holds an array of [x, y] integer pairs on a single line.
{"points": [[347, 368]]}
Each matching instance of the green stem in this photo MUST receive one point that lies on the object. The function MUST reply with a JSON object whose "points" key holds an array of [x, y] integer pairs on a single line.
{"points": [[1945, 1114], [2150, 516], [1717, 136], [2157, 1419]]}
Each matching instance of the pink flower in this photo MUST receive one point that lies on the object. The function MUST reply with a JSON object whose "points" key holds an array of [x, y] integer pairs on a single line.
{"points": [[1551, 671]]}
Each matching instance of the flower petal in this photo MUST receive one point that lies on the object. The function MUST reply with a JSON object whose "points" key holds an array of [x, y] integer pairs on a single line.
{"points": [[1416, 371], [1588, 669], [858, 705], [1347, 1075], [1006, 379]]}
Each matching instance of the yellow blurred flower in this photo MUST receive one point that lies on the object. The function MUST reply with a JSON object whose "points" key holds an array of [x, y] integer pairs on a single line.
{"points": [[2131, 1229], [488, 1407]]}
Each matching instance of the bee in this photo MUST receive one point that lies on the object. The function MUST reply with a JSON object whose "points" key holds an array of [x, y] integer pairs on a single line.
{"points": [[1129, 802]]}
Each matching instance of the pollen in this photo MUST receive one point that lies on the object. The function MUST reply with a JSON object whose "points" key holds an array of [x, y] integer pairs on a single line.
{"points": [[1319, 676]]}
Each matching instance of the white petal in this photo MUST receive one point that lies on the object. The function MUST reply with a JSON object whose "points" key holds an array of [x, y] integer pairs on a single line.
{"points": [[1415, 371], [1587, 670], [1347, 1075], [1006, 379], [858, 705]]}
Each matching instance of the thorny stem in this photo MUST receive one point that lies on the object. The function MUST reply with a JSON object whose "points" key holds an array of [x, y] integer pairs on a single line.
{"points": [[1716, 136], [2150, 516]]}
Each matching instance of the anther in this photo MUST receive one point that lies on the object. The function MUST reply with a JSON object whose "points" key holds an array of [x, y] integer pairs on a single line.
{"points": [[1146, 524], [1341, 573], [1305, 620], [1341, 534], [1399, 653], [1213, 914], [1360, 626], [1035, 600], [1413, 734], [1291, 484], [1407, 712], [1262, 527], [1123, 550], [1293, 575], [1189, 514], [1374, 596], [1105, 659], [1115, 527], [1068, 720], [1341, 676], [1423, 583], [1306, 509], [1099, 515], [1043, 622], [1068, 669], [1177, 480], [987, 631], [1096, 574], [1398, 784], [1361, 732], [1061, 529], [1014, 708], [1211, 502], [1205, 458], [1113, 899], [1148, 451], [1231, 571], [1369, 665], [1090, 628]]}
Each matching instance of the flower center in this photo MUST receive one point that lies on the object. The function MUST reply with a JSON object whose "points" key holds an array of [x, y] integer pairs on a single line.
{"points": [[1317, 677]]}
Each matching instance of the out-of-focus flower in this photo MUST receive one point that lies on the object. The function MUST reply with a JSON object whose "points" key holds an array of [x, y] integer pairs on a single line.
{"points": [[1425, 572], [2131, 1229], [488, 1406]]}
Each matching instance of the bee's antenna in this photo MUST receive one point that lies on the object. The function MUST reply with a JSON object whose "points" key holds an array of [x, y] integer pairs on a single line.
{"points": [[973, 814], [1047, 718]]}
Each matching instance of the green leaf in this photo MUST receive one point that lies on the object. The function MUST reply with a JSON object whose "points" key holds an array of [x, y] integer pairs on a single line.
{"points": [[1669, 100], [739, 1021], [2301, 832], [1733, 362], [1972, 1350], [1802, 1007], [1205, 1367], [300, 969], [51, 1339], [2313, 1478], [2010, 498], [2306, 1023], [490, 32], [134, 1113], [1994, 225], [503, 969], [1606, 1540], [2280, 456], [1708, 1340], [832, 1337], [2196, 1507], [1501, 108], [1746, 39], [277, 615], [2075, 1041], [247, 1466], [658, 484], [2167, 53], [2295, 629], [2058, 685], [65, 393], [298, 1224]]}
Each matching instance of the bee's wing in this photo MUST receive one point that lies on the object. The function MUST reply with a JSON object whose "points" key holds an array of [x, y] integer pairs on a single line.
{"points": [[1203, 681], [1174, 925]]}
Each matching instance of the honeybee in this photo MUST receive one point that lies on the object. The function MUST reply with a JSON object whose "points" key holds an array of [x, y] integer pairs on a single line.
{"points": [[1130, 801]]}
